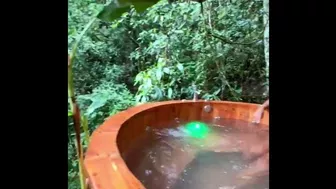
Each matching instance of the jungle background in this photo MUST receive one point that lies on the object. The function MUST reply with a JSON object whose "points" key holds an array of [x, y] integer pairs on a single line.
{"points": [[221, 47]]}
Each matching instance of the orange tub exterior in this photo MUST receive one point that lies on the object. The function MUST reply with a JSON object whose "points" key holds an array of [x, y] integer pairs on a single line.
{"points": [[104, 166]]}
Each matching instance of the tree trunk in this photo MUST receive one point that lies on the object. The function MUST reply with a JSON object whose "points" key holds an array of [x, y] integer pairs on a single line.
{"points": [[266, 35]]}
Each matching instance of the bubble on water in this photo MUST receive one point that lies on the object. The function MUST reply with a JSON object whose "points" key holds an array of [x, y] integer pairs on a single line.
{"points": [[236, 167], [172, 175], [246, 177], [227, 187], [148, 172], [148, 128]]}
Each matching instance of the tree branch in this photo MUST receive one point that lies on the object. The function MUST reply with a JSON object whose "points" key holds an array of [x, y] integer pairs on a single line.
{"points": [[238, 43]]}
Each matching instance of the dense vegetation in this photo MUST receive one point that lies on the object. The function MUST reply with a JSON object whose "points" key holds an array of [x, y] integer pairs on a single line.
{"points": [[160, 53]]}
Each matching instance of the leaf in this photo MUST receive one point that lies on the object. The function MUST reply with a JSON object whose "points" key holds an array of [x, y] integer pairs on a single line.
{"points": [[95, 105], [239, 91], [180, 67], [166, 70], [114, 11], [143, 99], [156, 18], [216, 92], [148, 83], [178, 31], [115, 25], [170, 93], [141, 5], [158, 93], [138, 78], [159, 74], [138, 97], [161, 62], [172, 82], [69, 113]]}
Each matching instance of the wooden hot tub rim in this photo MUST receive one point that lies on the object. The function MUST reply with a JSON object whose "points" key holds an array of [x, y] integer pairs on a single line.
{"points": [[103, 163]]}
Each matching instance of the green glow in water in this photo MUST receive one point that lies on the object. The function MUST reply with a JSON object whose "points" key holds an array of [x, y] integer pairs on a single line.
{"points": [[197, 129]]}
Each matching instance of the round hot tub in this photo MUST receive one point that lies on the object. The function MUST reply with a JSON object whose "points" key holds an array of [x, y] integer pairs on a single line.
{"points": [[114, 150]]}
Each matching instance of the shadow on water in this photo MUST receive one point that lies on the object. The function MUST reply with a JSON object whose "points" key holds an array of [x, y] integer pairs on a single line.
{"points": [[210, 170]]}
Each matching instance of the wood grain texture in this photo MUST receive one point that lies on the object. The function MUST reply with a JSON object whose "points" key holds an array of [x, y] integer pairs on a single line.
{"points": [[104, 165]]}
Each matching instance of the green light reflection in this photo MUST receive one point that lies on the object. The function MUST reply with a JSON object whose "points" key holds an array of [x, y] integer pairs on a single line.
{"points": [[197, 129]]}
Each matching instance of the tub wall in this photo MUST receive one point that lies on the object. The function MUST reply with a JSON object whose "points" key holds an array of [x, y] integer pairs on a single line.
{"points": [[104, 165]]}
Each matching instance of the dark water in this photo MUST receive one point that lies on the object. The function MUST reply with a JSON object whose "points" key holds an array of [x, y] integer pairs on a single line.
{"points": [[170, 159]]}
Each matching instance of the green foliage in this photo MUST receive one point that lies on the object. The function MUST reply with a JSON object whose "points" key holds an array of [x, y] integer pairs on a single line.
{"points": [[221, 50], [158, 53], [153, 82], [105, 100], [116, 8]]}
